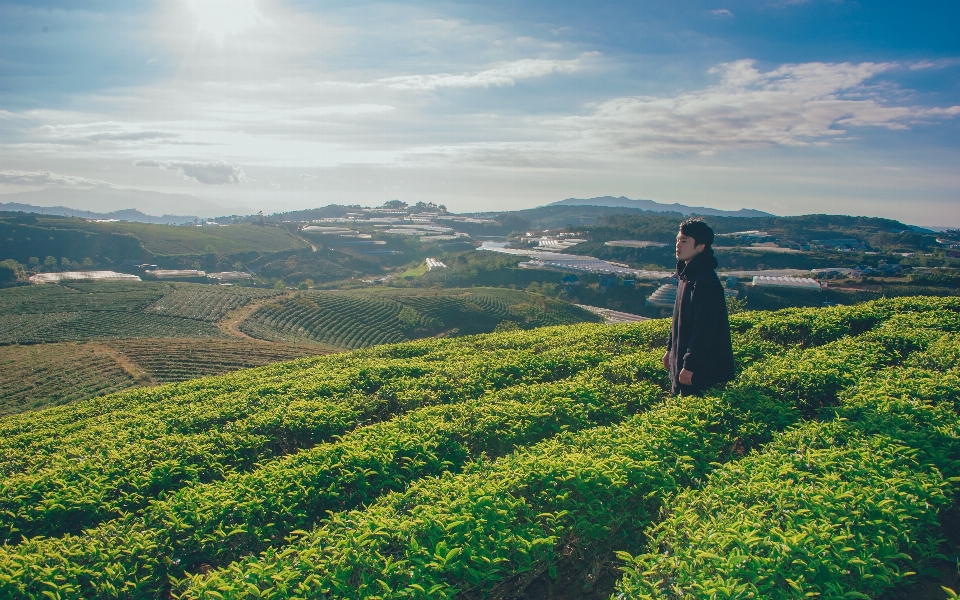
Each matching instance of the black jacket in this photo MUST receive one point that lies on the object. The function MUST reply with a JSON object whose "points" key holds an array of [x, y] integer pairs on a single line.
{"points": [[700, 338]]}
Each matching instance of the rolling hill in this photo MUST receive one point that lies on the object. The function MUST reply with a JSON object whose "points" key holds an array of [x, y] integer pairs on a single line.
{"points": [[540, 463], [67, 342]]}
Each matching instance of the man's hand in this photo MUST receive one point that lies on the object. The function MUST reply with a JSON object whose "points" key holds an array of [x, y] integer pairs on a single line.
{"points": [[666, 360], [686, 377]]}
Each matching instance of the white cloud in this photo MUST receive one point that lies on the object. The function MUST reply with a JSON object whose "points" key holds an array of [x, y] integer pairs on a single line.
{"points": [[129, 136], [721, 12], [13, 177], [504, 75], [212, 173], [793, 105], [307, 177]]}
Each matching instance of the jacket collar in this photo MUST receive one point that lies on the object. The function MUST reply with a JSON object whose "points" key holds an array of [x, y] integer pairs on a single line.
{"points": [[705, 261]]}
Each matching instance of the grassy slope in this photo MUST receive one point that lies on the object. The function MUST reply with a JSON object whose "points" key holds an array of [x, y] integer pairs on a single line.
{"points": [[116, 310], [162, 239], [148, 333], [129, 334], [422, 372], [107, 244], [41, 375], [374, 316], [33, 377]]}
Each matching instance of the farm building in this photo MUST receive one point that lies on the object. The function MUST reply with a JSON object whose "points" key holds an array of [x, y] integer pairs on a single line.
{"points": [[790, 282], [229, 276], [433, 263], [606, 281], [665, 296], [178, 274], [635, 244], [82, 276]]}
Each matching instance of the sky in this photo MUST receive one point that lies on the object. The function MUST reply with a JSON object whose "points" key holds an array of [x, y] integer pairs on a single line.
{"points": [[786, 106]]}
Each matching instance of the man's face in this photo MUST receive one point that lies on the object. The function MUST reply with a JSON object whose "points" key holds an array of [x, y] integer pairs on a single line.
{"points": [[687, 248]]}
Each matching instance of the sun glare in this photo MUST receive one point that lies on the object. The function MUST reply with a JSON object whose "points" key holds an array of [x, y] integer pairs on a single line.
{"points": [[220, 19]]}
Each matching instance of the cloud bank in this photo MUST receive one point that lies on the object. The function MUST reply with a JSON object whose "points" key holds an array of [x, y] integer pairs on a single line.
{"points": [[504, 75], [212, 173], [13, 177], [793, 105]]}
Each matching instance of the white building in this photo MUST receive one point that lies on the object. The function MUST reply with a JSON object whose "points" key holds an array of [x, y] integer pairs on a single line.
{"points": [[82, 276], [787, 282]]}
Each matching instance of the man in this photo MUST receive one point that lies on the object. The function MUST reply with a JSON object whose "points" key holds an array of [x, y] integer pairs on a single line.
{"points": [[699, 353]]}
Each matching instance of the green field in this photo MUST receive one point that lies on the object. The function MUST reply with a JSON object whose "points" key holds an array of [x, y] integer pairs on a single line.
{"points": [[174, 360], [44, 375], [388, 315], [518, 464], [67, 342], [116, 310], [41, 375], [23, 236], [167, 240]]}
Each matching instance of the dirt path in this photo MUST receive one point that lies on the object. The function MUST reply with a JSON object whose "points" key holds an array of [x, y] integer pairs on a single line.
{"points": [[131, 368], [230, 323]]}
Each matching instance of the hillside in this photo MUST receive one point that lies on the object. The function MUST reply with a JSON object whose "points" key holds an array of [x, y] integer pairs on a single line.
{"points": [[68, 342], [106, 200], [117, 310], [382, 316], [42, 375], [78, 243], [653, 206], [542, 463]]}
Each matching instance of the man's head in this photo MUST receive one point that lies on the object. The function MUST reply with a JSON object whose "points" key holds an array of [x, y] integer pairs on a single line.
{"points": [[694, 237]]}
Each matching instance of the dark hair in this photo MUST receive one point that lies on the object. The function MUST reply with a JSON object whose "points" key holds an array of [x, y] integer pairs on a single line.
{"points": [[698, 229]]}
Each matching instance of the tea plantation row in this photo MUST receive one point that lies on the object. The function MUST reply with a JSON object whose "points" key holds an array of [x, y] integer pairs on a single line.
{"points": [[476, 466], [361, 319], [503, 523], [116, 310], [43, 375]]}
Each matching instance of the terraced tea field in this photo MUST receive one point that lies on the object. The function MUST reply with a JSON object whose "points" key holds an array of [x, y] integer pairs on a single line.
{"points": [[148, 333], [116, 310], [541, 463], [41, 375], [62, 343], [369, 317], [173, 360]]}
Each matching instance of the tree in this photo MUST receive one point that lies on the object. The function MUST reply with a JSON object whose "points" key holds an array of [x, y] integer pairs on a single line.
{"points": [[50, 263], [395, 204], [11, 271], [513, 223], [409, 318]]}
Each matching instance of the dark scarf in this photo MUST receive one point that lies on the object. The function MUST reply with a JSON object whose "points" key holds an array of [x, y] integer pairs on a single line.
{"points": [[698, 264]]}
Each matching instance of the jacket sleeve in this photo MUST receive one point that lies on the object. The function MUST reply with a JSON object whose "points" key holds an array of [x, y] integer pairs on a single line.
{"points": [[708, 306]]}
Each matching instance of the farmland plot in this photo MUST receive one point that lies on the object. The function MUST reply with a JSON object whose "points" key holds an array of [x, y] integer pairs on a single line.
{"points": [[367, 318], [504, 464]]}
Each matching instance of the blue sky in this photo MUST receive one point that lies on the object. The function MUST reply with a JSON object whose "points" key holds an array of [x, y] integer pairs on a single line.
{"points": [[788, 106]]}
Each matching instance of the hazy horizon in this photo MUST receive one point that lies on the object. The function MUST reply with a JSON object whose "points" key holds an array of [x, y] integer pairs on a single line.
{"points": [[785, 106]]}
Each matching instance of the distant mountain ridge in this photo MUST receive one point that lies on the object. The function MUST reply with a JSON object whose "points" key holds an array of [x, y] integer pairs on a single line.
{"points": [[653, 206], [127, 214], [110, 200]]}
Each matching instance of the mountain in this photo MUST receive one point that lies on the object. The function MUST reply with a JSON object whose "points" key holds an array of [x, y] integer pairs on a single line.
{"points": [[111, 200], [653, 206], [127, 214]]}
